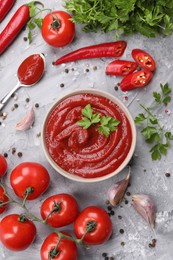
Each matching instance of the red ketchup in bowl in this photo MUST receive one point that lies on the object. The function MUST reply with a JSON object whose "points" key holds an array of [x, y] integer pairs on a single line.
{"points": [[86, 152]]}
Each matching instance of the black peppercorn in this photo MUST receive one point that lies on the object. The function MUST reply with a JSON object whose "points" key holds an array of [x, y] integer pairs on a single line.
{"points": [[19, 154]]}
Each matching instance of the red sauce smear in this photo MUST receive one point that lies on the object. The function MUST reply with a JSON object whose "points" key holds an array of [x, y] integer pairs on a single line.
{"points": [[31, 69], [86, 153]]}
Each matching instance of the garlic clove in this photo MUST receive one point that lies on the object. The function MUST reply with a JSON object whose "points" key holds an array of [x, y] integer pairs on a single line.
{"points": [[145, 206], [27, 121], [116, 191]]}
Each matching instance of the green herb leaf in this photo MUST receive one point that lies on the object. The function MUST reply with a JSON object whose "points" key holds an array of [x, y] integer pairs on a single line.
{"points": [[38, 22], [84, 122], [87, 111], [157, 97], [107, 123], [165, 89], [29, 36], [166, 100], [140, 119], [149, 131]]}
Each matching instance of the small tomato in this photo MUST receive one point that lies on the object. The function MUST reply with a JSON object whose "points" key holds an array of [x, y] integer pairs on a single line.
{"points": [[3, 165], [57, 29]]}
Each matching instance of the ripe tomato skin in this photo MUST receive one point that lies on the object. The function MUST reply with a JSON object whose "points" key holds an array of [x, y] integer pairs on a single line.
{"points": [[16, 235], [144, 59], [3, 165], [3, 198], [136, 79], [29, 174], [67, 248], [58, 36], [67, 213], [121, 67], [103, 229]]}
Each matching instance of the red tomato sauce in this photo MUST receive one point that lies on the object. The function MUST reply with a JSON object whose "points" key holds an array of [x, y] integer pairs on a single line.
{"points": [[86, 152], [31, 69]]}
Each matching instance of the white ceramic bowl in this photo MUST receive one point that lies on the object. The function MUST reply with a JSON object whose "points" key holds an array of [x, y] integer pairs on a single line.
{"points": [[96, 179]]}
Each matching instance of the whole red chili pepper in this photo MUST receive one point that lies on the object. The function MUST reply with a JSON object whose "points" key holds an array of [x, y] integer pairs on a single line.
{"points": [[17, 22], [110, 49], [5, 6]]}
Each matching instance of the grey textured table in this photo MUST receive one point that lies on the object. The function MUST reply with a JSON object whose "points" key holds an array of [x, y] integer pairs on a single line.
{"points": [[147, 177]]}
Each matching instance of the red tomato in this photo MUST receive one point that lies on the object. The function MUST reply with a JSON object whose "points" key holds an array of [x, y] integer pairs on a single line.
{"points": [[17, 232], [67, 249], [137, 79], [29, 175], [121, 67], [3, 198], [3, 165], [100, 219], [64, 207], [57, 29], [144, 59]]}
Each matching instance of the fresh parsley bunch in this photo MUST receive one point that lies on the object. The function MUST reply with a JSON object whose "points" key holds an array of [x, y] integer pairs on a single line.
{"points": [[148, 17], [153, 131]]}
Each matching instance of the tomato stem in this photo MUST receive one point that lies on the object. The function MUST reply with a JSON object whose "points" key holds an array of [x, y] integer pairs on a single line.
{"points": [[22, 218], [57, 208], [90, 226], [55, 23]]}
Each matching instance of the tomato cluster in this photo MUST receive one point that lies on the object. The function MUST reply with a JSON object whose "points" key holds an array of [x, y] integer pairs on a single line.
{"points": [[29, 180], [133, 78]]}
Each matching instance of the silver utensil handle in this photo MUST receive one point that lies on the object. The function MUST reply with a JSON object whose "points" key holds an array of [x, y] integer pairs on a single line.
{"points": [[4, 100]]}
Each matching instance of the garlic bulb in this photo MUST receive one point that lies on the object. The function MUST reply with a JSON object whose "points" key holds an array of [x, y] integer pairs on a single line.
{"points": [[116, 191], [145, 206], [27, 121]]}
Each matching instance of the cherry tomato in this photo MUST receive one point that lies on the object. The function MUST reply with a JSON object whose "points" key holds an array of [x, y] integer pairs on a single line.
{"points": [[144, 59], [96, 219], [17, 232], [121, 67], [3, 165], [3, 198], [57, 29], [32, 176], [64, 207], [67, 249], [137, 79]]}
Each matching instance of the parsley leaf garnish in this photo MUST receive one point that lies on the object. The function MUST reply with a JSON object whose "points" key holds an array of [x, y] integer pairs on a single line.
{"points": [[153, 131], [107, 124]]}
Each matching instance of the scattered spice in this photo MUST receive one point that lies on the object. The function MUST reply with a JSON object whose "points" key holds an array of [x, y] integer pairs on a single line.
{"points": [[0, 123], [121, 231], [19, 154], [126, 201], [16, 105], [12, 95], [111, 258], [27, 100], [25, 39], [126, 98], [109, 208], [167, 174], [62, 85], [120, 217], [37, 105], [39, 134], [87, 70], [122, 243], [66, 70], [116, 88], [128, 193], [5, 155], [13, 150], [95, 68], [112, 213], [104, 254]]}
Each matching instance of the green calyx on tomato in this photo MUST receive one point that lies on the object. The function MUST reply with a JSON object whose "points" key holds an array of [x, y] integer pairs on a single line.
{"points": [[55, 23], [90, 226], [22, 218], [53, 253], [28, 191]]}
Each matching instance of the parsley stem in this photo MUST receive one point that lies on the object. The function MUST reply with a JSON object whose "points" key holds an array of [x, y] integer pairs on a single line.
{"points": [[151, 114]]}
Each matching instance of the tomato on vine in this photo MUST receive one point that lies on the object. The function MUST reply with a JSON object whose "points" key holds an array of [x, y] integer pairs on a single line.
{"points": [[17, 232], [57, 29], [59, 210], [30, 180], [53, 248], [94, 225], [3, 165]]}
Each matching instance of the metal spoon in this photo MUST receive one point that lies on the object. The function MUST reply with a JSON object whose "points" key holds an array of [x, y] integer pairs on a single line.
{"points": [[5, 99]]}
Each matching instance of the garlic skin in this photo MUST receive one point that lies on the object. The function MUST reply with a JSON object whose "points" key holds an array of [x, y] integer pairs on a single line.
{"points": [[27, 121], [116, 191], [145, 206]]}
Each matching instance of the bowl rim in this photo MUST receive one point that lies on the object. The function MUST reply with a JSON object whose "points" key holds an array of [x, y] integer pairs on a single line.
{"points": [[113, 99]]}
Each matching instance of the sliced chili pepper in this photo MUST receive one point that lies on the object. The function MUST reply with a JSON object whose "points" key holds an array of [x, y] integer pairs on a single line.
{"points": [[136, 79], [121, 67], [144, 59], [111, 49], [5, 6], [15, 25]]}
